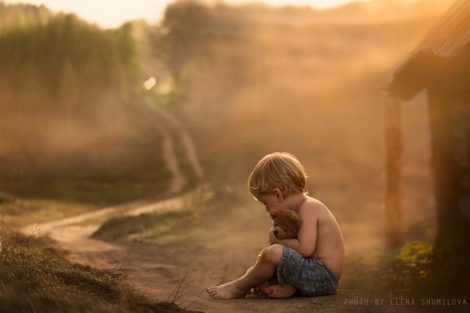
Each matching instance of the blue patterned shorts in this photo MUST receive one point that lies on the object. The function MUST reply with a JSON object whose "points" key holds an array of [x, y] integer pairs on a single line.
{"points": [[308, 275]]}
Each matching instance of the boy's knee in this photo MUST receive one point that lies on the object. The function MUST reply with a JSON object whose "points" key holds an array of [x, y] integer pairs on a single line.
{"points": [[271, 254]]}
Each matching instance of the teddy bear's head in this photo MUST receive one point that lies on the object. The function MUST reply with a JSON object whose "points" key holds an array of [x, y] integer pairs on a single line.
{"points": [[286, 224]]}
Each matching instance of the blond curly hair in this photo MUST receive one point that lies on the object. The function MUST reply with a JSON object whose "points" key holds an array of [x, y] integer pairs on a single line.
{"points": [[280, 170]]}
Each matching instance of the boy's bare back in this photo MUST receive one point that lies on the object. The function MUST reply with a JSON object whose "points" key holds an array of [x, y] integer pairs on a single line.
{"points": [[329, 247]]}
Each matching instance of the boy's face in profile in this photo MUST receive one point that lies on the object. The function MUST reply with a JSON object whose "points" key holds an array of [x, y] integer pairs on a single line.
{"points": [[272, 202]]}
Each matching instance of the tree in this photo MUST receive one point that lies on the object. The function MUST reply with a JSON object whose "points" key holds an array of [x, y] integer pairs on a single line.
{"points": [[186, 29]]}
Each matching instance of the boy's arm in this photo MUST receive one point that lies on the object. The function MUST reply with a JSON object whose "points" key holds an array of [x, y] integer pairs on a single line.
{"points": [[307, 236]]}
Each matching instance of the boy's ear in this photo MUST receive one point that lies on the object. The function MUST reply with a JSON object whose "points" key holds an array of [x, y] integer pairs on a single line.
{"points": [[278, 193]]}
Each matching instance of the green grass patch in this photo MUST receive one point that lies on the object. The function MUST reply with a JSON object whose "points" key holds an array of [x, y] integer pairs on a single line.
{"points": [[173, 227], [413, 270], [36, 279], [424, 268], [407, 269], [413, 265], [129, 227], [20, 212]]}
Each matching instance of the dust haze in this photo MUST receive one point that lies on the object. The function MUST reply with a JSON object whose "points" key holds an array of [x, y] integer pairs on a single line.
{"points": [[310, 82], [77, 125], [282, 79]]}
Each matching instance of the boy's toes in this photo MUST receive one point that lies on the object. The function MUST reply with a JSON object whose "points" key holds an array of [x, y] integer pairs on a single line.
{"points": [[268, 291], [212, 291], [226, 291], [272, 293], [281, 292], [264, 289]]}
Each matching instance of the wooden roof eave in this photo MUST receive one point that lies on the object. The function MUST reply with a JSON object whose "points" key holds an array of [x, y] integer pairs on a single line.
{"points": [[446, 40]]}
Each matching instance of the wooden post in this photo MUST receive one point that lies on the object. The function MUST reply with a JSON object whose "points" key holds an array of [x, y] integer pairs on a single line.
{"points": [[468, 148], [451, 253], [394, 160], [446, 170]]}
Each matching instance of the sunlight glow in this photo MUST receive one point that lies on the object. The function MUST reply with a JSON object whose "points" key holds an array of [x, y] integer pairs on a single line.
{"points": [[114, 13], [150, 83]]}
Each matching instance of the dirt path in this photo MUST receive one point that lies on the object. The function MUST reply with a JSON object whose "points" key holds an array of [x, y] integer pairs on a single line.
{"points": [[168, 150], [190, 152], [176, 184], [213, 250], [210, 250], [73, 235]]}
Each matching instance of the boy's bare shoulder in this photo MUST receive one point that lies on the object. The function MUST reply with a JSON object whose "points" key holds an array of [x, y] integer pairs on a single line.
{"points": [[315, 209], [312, 204]]}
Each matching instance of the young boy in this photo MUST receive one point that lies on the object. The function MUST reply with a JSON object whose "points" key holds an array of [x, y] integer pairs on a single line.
{"points": [[312, 263]]}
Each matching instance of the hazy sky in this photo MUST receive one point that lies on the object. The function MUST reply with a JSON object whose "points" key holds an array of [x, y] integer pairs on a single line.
{"points": [[111, 13]]}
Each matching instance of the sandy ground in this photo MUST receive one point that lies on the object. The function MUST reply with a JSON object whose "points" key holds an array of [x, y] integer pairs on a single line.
{"points": [[213, 250]]}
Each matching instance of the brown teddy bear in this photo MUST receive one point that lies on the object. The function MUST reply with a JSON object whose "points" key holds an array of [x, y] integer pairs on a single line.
{"points": [[286, 224]]}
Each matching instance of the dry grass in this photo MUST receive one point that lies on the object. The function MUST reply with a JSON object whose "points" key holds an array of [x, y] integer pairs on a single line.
{"points": [[19, 212], [36, 279]]}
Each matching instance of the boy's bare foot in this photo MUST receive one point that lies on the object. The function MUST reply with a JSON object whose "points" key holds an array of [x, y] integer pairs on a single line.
{"points": [[225, 291], [264, 288], [280, 291]]}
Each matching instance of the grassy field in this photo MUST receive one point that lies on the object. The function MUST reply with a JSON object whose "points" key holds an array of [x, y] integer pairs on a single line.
{"points": [[72, 125], [112, 169], [130, 168]]}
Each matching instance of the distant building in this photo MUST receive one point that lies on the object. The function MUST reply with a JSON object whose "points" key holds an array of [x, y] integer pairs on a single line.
{"points": [[440, 64]]}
